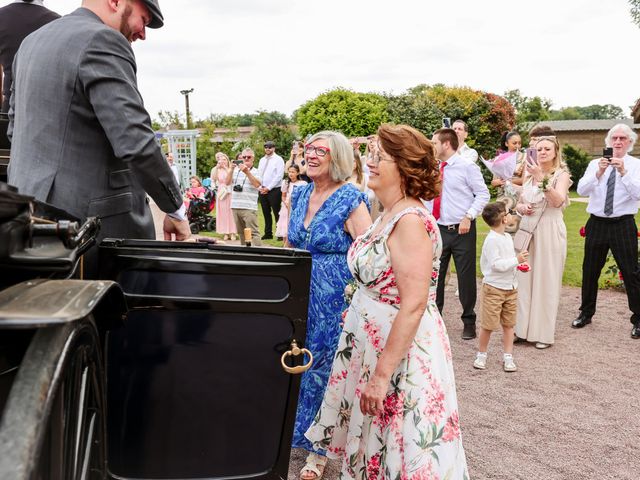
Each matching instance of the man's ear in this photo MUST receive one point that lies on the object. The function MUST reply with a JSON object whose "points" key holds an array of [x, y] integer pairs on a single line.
{"points": [[113, 5]]}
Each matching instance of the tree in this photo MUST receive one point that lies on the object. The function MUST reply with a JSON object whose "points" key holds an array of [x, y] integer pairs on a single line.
{"points": [[577, 160], [274, 126], [486, 114], [171, 120], [352, 113], [635, 11], [528, 109], [591, 112]]}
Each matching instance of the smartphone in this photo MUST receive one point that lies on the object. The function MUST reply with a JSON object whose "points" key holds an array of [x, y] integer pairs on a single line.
{"points": [[446, 122], [237, 162], [532, 156], [607, 153]]}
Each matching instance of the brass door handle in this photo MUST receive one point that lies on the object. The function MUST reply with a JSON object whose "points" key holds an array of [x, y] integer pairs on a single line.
{"points": [[295, 351]]}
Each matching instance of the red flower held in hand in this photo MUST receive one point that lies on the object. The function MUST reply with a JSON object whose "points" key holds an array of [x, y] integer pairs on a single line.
{"points": [[583, 233], [620, 276]]}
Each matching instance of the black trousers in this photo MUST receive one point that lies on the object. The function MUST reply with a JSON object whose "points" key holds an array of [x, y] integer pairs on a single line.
{"points": [[620, 235], [269, 202], [463, 250]]}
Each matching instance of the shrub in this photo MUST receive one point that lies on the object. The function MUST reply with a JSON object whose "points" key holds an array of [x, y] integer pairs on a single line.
{"points": [[352, 113], [577, 160]]}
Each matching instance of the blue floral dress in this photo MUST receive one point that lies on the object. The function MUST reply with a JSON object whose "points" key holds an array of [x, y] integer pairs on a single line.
{"points": [[328, 243]]}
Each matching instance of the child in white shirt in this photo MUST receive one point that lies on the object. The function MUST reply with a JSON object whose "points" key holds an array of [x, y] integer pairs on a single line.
{"points": [[498, 263]]}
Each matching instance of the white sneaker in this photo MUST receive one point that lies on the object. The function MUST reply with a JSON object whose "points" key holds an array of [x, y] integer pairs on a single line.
{"points": [[481, 361], [509, 364]]}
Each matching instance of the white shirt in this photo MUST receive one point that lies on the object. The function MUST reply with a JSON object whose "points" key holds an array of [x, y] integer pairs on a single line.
{"points": [[463, 191], [626, 195], [498, 261], [271, 169], [467, 152], [248, 197]]}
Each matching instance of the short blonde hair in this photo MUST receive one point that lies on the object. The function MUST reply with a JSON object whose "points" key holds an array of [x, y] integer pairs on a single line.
{"points": [[341, 152]]}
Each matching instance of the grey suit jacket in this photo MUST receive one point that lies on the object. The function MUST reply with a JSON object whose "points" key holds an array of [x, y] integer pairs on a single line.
{"points": [[81, 137]]}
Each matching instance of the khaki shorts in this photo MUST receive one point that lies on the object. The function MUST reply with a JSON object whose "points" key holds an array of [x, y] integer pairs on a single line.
{"points": [[498, 307]]}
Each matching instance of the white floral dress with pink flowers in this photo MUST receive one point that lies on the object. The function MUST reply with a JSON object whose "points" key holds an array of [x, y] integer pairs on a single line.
{"points": [[417, 435]]}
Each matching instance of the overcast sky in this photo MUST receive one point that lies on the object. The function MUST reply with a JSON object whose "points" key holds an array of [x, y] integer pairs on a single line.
{"points": [[241, 56]]}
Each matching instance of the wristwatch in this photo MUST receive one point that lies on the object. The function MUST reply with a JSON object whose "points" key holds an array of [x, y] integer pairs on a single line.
{"points": [[468, 216]]}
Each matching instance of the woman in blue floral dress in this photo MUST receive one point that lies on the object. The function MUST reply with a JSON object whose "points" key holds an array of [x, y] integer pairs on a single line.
{"points": [[326, 216], [390, 409]]}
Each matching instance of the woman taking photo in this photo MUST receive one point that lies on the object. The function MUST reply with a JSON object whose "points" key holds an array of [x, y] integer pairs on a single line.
{"points": [[224, 217], [390, 409], [297, 158], [326, 216], [542, 202]]}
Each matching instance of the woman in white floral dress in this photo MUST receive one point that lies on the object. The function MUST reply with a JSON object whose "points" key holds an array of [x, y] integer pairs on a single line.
{"points": [[390, 409]]}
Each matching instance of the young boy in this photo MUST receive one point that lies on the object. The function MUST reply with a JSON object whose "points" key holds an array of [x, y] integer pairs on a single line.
{"points": [[499, 295]]}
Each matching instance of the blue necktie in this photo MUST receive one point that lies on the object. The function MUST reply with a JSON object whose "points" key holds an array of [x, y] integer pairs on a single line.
{"points": [[611, 188]]}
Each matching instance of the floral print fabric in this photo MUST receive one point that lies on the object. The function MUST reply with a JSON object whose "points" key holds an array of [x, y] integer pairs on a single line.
{"points": [[328, 242], [417, 435]]}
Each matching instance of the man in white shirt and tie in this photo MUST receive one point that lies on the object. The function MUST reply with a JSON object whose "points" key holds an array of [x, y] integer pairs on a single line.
{"points": [[271, 170], [463, 196], [613, 188], [462, 131]]}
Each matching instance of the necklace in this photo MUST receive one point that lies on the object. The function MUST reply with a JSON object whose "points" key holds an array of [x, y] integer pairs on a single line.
{"points": [[388, 210]]}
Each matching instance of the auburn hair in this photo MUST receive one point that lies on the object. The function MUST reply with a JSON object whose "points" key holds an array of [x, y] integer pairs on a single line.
{"points": [[415, 157]]}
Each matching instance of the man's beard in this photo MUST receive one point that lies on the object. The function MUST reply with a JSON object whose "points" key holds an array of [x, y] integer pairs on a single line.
{"points": [[124, 23]]}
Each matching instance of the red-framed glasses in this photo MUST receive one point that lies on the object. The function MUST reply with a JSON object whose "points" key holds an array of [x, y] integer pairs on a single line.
{"points": [[319, 151]]}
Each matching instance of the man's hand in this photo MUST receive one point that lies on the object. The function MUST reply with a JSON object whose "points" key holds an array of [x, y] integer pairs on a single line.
{"points": [[263, 190], [618, 164], [179, 228], [465, 226]]}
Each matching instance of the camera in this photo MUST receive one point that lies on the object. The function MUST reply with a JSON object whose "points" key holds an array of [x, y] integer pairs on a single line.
{"points": [[237, 188], [607, 153], [446, 122]]}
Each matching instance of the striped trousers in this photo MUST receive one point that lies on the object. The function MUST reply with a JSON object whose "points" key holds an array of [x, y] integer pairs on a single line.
{"points": [[620, 235]]}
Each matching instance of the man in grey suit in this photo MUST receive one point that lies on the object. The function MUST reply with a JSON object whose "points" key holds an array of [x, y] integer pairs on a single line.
{"points": [[81, 137]]}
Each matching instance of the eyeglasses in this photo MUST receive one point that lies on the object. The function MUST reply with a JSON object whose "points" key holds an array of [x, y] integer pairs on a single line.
{"points": [[246, 157], [319, 151], [619, 138], [377, 158]]}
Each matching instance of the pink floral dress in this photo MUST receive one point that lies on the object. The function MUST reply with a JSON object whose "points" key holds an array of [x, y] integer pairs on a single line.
{"points": [[417, 435]]}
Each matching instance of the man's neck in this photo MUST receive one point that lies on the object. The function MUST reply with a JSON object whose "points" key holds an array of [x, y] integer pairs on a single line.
{"points": [[34, 2], [446, 156]]}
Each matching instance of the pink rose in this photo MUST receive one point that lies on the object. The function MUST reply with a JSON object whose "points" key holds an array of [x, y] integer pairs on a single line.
{"points": [[373, 467]]}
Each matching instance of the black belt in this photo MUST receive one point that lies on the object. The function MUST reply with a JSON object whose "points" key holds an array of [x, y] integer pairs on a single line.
{"points": [[452, 227], [612, 219]]}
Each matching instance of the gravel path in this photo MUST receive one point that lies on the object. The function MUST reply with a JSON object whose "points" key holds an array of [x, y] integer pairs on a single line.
{"points": [[570, 412]]}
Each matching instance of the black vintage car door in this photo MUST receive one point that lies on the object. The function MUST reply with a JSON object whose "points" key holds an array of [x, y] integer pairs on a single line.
{"points": [[195, 382]]}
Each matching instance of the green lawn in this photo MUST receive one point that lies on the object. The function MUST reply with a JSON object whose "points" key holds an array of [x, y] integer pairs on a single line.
{"points": [[575, 216]]}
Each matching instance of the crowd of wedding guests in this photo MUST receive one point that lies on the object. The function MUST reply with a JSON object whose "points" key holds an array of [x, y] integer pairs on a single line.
{"points": [[382, 224]]}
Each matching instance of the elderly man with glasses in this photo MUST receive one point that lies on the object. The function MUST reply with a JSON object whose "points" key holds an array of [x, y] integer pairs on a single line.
{"points": [[246, 181], [612, 184]]}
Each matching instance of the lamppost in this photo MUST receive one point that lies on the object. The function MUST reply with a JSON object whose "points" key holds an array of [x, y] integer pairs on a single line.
{"points": [[186, 105]]}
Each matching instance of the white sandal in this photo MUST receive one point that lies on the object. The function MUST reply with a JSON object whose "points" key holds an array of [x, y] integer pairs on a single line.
{"points": [[315, 464]]}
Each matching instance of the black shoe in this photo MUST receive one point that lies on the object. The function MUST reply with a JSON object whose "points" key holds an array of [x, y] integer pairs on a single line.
{"points": [[267, 237], [279, 239], [581, 321], [635, 331], [469, 332]]}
